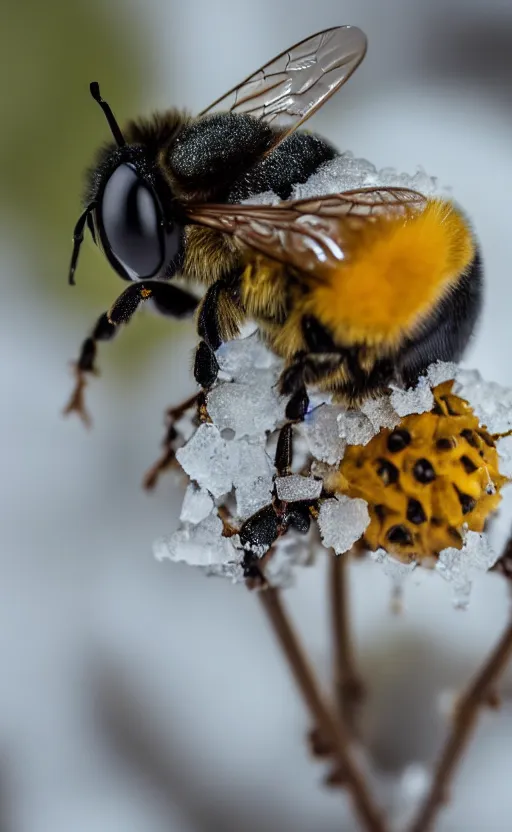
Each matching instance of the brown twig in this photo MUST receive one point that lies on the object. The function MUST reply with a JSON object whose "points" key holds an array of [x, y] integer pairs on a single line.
{"points": [[167, 457], [349, 687], [368, 813], [504, 564], [480, 692]]}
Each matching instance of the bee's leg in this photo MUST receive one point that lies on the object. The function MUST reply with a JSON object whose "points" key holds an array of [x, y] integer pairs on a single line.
{"points": [[206, 367], [169, 300], [260, 531], [298, 404], [308, 369], [284, 450], [222, 296], [293, 383], [307, 366], [103, 330]]}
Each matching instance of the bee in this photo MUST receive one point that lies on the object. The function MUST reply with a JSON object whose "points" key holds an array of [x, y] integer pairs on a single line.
{"points": [[354, 291]]}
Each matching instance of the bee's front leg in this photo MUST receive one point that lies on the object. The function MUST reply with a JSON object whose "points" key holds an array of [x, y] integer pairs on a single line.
{"points": [[217, 307], [169, 300], [103, 330]]}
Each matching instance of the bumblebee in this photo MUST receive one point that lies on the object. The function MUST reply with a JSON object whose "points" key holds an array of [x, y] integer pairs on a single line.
{"points": [[355, 290]]}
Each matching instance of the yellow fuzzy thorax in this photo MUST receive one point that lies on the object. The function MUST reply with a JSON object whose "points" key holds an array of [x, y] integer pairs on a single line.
{"points": [[425, 481], [395, 271]]}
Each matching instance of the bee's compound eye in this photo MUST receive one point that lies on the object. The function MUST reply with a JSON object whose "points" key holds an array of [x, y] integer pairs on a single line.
{"points": [[130, 218]]}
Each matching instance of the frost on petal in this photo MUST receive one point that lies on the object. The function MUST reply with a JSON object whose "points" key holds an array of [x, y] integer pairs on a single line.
{"points": [[419, 181], [250, 405], [342, 173], [355, 428], [347, 172], [289, 551], [209, 460], [458, 566], [320, 429], [247, 409], [491, 402], [342, 521], [253, 479], [199, 545], [394, 569], [232, 570], [419, 399], [244, 355], [197, 504], [441, 371], [381, 413], [296, 487], [266, 198], [317, 399]]}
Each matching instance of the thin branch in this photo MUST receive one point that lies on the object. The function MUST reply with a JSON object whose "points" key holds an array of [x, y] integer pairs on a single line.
{"points": [[168, 455], [504, 564], [348, 684], [369, 815], [481, 692]]}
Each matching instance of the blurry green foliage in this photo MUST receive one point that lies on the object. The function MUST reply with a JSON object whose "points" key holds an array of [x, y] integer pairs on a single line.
{"points": [[50, 51]]}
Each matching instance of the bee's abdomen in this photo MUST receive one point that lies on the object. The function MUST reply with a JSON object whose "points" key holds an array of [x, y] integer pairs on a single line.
{"points": [[396, 274], [446, 333]]}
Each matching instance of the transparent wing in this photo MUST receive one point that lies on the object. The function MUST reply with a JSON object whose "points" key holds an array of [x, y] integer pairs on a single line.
{"points": [[308, 233], [288, 90]]}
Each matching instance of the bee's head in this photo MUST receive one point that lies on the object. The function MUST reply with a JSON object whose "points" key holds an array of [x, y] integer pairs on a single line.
{"points": [[125, 212]]}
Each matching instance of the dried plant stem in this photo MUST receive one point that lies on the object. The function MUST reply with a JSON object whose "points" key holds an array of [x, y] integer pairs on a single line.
{"points": [[168, 455], [349, 688], [479, 693], [368, 813]]}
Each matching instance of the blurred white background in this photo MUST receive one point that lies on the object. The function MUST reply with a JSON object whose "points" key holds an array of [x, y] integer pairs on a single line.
{"points": [[142, 696]]}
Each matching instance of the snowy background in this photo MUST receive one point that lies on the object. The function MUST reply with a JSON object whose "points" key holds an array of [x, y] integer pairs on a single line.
{"points": [[138, 695]]}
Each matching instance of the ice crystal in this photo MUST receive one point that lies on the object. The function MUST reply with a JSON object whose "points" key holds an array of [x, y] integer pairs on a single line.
{"points": [[342, 521]]}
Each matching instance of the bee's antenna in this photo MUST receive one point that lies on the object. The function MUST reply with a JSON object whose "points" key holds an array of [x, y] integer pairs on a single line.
{"points": [[112, 123]]}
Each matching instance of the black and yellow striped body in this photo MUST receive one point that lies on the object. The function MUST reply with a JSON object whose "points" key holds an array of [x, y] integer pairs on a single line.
{"points": [[407, 294]]}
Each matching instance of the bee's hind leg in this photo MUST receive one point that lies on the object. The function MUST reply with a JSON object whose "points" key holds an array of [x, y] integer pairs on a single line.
{"points": [[305, 369]]}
